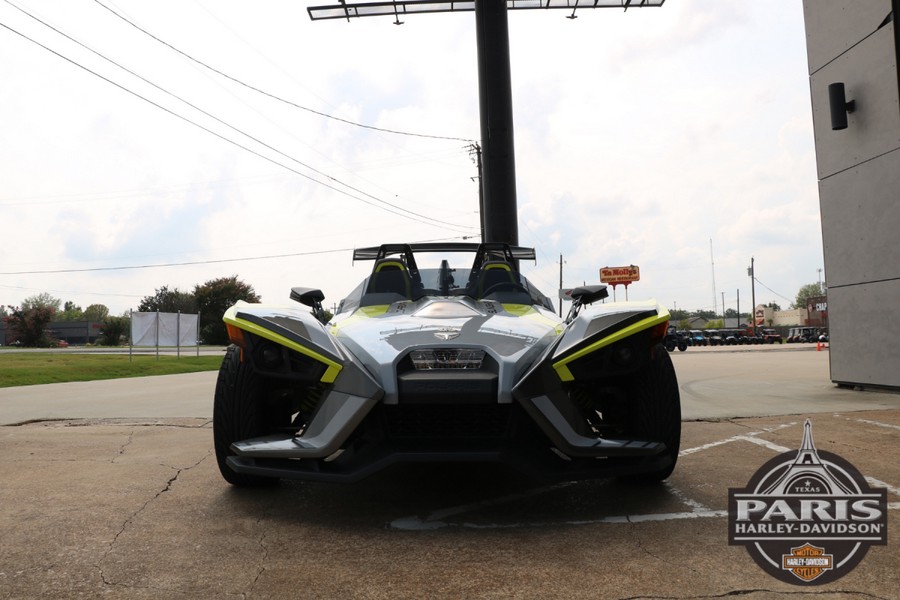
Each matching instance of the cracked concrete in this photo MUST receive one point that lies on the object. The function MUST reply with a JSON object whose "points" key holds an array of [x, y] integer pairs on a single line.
{"points": [[139, 511], [133, 507]]}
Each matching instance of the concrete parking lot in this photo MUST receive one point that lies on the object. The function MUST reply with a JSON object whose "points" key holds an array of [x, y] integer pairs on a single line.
{"points": [[109, 499]]}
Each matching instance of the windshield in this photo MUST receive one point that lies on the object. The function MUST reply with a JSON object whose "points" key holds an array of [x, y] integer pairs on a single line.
{"points": [[499, 284]]}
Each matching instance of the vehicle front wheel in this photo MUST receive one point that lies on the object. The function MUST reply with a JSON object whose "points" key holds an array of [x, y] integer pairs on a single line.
{"points": [[238, 414], [656, 413]]}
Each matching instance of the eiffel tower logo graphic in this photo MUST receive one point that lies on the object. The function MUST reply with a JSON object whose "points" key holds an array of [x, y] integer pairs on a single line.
{"points": [[807, 518], [808, 474]]}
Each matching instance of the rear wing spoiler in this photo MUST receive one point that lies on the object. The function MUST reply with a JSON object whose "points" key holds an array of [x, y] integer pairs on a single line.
{"points": [[499, 249]]}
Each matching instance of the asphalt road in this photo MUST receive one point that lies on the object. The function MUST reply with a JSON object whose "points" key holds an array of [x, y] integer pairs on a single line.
{"points": [[121, 498]]}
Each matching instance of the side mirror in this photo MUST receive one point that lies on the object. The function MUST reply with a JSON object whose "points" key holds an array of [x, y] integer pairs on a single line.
{"points": [[311, 297], [588, 294], [307, 296]]}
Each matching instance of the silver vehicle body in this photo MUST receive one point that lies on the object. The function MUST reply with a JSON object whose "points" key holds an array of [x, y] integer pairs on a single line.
{"points": [[424, 368]]}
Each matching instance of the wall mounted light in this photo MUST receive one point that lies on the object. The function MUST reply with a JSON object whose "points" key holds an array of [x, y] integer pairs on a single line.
{"points": [[839, 106]]}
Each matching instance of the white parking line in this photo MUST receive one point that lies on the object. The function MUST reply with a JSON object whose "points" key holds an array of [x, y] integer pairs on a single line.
{"points": [[747, 437], [437, 519], [867, 421]]}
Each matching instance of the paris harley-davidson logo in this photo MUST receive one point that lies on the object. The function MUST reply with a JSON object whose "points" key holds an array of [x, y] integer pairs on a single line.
{"points": [[807, 517]]}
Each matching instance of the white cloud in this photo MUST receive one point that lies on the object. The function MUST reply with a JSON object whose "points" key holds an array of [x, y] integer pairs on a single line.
{"points": [[639, 136]]}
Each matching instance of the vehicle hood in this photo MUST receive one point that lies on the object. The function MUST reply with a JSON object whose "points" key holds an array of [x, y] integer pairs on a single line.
{"points": [[514, 335]]}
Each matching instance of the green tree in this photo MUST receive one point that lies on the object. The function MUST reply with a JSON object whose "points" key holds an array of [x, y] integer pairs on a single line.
{"points": [[114, 331], [28, 326], [41, 300], [678, 314], [684, 324], [70, 312], [215, 297], [96, 312], [774, 306], [170, 301], [810, 290], [705, 314]]}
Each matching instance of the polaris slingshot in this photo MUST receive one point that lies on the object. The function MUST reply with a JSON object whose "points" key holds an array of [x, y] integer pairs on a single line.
{"points": [[465, 361]]}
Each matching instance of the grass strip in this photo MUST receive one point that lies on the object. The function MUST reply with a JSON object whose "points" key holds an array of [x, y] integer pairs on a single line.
{"points": [[35, 368]]}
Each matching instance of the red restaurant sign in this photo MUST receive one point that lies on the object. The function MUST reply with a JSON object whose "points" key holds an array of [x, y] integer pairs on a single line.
{"points": [[617, 275]]}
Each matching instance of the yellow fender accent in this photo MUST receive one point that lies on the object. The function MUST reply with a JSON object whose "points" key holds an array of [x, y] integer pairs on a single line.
{"points": [[529, 312], [562, 367], [331, 372]]}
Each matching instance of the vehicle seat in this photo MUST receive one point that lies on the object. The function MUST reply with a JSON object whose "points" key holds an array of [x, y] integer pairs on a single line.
{"points": [[493, 273], [390, 276]]}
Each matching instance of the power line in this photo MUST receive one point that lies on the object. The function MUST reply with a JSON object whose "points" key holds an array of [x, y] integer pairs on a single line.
{"points": [[203, 262], [273, 96], [405, 212], [771, 290]]}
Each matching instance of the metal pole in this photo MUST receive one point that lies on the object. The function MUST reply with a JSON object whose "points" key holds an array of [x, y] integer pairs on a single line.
{"points": [[500, 217], [178, 335], [560, 286], [753, 293]]}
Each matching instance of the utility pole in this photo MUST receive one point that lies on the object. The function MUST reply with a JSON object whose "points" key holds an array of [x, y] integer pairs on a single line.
{"points": [[713, 265], [752, 273], [475, 149], [723, 308], [739, 306]]}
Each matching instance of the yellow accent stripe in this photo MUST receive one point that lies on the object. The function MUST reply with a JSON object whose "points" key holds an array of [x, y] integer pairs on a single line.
{"points": [[374, 311], [528, 311], [361, 313], [520, 310], [562, 367], [331, 372]]}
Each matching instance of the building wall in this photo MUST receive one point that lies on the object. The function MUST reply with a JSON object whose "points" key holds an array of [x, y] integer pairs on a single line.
{"points": [[856, 42], [785, 318]]}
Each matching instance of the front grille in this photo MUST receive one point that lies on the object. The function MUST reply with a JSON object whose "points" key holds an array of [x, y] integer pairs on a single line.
{"points": [[448, 421], [446, 358]]}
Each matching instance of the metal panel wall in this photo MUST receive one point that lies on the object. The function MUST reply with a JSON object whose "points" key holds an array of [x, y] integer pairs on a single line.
{"points": [[869, 73], [861, 223], [859, 184], [834, 26], [865, 349]]}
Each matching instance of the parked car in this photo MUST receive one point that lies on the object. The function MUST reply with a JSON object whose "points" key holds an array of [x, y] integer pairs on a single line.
{"points": [[770, 336], [697, 338], [675, 339], [802, 335]]}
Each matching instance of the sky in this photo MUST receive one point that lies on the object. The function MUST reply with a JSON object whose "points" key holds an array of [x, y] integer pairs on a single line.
{"points": [[171, 143]]}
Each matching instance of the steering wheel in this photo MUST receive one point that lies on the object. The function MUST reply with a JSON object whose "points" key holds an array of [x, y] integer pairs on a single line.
{"points": [[511, 285]]}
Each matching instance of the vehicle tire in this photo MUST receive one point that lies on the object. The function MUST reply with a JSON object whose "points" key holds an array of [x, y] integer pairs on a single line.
{"points": [[670, 346], [238, 414], [657, 411], [682, 346]]}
